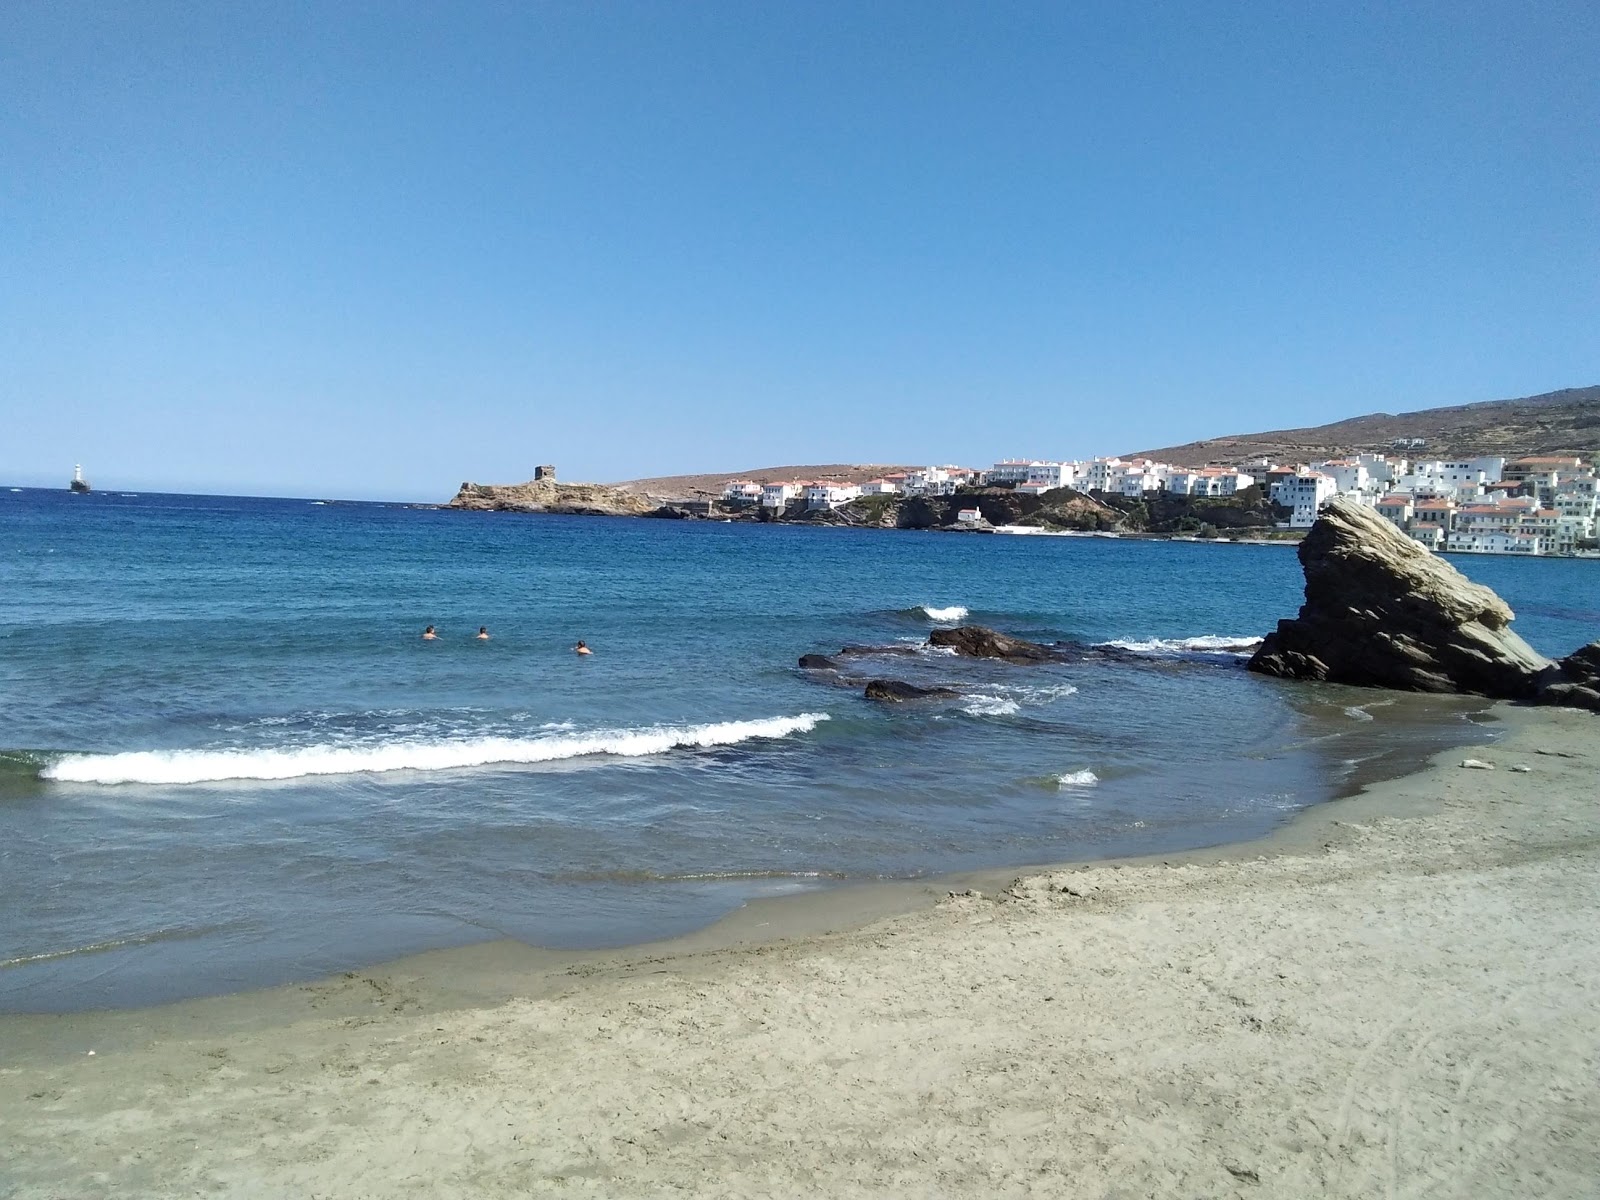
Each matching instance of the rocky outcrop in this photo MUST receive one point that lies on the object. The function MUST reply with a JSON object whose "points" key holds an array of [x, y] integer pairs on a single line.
{"points": [[546, 495], [976, 641], [894, 691], [1382, 611], [817, 662], [1578, 685]]}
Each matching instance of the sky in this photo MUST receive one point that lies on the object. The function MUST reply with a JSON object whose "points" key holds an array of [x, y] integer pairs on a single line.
{"points": [[372, 250]]}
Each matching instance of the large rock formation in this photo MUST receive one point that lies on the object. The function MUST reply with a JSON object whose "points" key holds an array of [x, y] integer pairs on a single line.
{"points": [[1382, 611], [546, 495]]}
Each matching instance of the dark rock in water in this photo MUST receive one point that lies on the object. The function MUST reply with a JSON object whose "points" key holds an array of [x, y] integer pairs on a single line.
{"points": [[975, 641], [1382, 611], [668, 512], [869, 651], [818, 662], [1579, 682], [894, 691]]}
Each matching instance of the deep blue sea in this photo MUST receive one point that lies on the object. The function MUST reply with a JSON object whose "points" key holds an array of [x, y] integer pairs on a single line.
{"points": [[229, 759]]}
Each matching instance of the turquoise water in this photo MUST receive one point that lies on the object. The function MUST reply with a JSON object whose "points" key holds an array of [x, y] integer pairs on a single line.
{"points": [[229, 759]]}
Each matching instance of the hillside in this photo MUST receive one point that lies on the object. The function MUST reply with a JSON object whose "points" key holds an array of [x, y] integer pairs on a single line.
{"points": [[697, 487], [1564, 422]]}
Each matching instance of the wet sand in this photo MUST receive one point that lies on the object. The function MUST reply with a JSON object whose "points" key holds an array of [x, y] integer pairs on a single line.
{"points": [[1394, 995]]}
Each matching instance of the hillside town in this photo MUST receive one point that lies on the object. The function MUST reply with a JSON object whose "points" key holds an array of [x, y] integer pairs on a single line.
{"points": [[1534, 505]]}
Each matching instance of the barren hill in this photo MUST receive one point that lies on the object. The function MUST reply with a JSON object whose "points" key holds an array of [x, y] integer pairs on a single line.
{"points": [[1564, 422], [696, 487]]}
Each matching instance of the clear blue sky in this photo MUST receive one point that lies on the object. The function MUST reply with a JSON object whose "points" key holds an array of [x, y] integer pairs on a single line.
{"points": [[374, 249]]}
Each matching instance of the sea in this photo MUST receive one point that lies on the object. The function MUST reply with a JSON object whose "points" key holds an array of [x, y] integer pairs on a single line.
{"points": [[229, 759]]}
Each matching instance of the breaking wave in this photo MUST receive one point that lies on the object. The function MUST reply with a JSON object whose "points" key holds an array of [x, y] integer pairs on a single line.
{"points": [[1208, 644], [1077, 779], [211, 766], [954, 613], [990, 706]]}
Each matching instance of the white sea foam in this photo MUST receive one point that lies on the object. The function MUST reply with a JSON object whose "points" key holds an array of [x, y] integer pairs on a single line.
{"points": [[1043, 695], [990, 706], [210, 766], [1207, 644], [1357, 713], [954, 613], [1077, 779]]}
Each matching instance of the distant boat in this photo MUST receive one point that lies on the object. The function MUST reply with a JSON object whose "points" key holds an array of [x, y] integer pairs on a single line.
{"points": [[79, 483]]}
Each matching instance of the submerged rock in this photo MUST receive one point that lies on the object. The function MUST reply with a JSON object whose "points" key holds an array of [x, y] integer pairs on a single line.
{"points": [[976, 641], [1382, 611], [817, 662], [894, 691]]}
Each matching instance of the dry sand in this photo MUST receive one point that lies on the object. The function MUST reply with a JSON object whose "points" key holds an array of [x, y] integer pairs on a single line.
{"points": [[1370, 1005]]}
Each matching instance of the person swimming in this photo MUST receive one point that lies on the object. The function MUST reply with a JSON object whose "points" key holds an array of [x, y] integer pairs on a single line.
{"points": [[428, 635], [582, 649], [483, 633]]}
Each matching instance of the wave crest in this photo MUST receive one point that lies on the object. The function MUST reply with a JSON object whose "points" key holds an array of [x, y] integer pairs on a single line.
{"points": [[953, 613], [213, 766], [1206, 644], [1077, 779]]}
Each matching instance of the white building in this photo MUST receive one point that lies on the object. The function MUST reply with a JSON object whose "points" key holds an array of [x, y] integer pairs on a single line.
{"points": [[831, 495], [1045, 476], [1010, 471], [1304, 495], [880, 487], [778, 495], [742, 491], [930, 481]]}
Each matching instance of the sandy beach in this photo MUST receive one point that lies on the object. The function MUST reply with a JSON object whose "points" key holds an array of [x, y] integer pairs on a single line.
{"points": [[1394, 996]]}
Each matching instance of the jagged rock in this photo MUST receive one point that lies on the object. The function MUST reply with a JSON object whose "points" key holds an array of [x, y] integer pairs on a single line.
{"points": [[668, 512], [1382, 611], [1578, 685], [817, 662], [894, 691], [976, 641]]}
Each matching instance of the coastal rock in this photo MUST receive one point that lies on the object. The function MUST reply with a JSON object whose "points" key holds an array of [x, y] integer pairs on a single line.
{"points": [[1578, 685], [977, 641], [1382, 611], [546, 495], [817, 662], [894, 691]]}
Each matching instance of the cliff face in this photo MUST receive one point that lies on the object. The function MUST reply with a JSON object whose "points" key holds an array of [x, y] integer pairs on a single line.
{"points": [[544, 495]]}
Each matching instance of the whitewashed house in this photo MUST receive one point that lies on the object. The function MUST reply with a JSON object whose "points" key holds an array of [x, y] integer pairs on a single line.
{"points": [[779, 495], [742, 491], [880, 487], [831, 495]]}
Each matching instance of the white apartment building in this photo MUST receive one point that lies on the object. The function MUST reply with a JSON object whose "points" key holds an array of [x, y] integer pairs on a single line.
{"points": [[1011, 470], [1097, 474], [1304, 495], [931, 481]]}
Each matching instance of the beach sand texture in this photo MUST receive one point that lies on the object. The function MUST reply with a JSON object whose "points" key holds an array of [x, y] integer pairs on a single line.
{"points": [[1370, 1005]]}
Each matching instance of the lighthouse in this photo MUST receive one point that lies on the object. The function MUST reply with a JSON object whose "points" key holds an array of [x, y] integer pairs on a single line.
{"points": [[79, 483]]}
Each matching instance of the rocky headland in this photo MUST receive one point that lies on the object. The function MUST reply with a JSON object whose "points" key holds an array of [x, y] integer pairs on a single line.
{"points": [[1383, 611], [548, 496]]}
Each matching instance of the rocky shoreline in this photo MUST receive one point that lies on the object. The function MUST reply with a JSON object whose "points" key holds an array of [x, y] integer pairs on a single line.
{"points": [[986, 510]]}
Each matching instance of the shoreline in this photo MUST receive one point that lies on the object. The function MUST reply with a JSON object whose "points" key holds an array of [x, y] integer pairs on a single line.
{"points": [[825, 907], [1391, 987]]}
